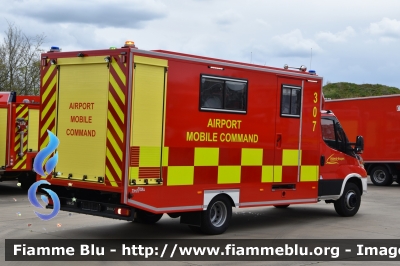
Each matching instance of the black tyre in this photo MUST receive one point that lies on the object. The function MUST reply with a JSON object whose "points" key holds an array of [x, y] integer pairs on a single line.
{"points": [[27, 181], [174, 214], [349, 203], [380, 176], [215, 220], [282, 206], [195, 229], [145, 217]]}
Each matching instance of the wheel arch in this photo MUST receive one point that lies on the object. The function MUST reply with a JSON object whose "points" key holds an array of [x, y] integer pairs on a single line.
{"points": [[353, 178], [231, 194]]}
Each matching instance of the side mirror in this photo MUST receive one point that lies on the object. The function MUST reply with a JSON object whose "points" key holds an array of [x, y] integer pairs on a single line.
{"points": [[359, 147]]}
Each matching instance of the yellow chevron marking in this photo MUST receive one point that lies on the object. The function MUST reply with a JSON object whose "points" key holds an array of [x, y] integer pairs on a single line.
{"points": [[47, 107], [47, 124], [17, 165], [115, 126], [24, 113], [111, 178], [114, 144], [116, 107], [119, 71], [117, 89], [114, 164], [51, 85]]}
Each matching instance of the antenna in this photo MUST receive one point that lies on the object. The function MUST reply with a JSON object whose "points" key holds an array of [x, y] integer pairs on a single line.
{"points": [[311, 59], [251, 57]]}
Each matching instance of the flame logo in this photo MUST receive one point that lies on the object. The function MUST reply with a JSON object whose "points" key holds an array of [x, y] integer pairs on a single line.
{"points": [[42, 155], [32, 198], [38, 168]]}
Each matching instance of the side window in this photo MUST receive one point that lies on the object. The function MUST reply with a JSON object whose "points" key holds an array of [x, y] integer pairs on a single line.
{"points": [[328, 132], [223, 94], [290, 101], [333, 134]]}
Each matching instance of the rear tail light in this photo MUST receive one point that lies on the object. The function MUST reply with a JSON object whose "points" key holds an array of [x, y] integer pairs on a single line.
{"points": [[122, 211]]}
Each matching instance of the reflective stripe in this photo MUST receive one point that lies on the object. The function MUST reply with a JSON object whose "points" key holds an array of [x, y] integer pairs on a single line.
{"points": [[229, 174], [252, 156], [206, 156], [308, 173]]}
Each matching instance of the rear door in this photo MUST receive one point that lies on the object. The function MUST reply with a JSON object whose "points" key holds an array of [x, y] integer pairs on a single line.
{"points": [[82, 119], [147, 136]]}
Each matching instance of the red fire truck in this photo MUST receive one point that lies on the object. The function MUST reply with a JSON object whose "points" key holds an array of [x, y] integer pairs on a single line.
{"points": [[19, 133], [377, 119], [143, 133]]}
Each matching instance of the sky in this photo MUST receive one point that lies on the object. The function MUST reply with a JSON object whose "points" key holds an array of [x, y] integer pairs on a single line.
{"points": [[355, 41]]}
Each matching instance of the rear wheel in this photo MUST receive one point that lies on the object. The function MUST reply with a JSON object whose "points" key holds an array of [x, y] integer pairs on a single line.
{"points": [[145, 217], [215, 220], [349, 203], [281, 206], [380, 176]]}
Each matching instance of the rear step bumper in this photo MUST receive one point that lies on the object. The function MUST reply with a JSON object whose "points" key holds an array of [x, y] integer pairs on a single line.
{"points": [[96, 208]]}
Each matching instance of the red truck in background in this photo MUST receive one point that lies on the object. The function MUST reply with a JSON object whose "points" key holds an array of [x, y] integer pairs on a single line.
{"points": [[143, 133], [377, 119], [19, 131]]}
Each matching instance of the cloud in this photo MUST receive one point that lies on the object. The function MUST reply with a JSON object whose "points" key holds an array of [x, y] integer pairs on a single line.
{"points": [[100, 13], [386, 28], [294, 44], [227, 18], [340, 36]]}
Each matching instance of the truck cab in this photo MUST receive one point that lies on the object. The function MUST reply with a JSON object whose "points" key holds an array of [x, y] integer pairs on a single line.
{"points": [[342, 171]]}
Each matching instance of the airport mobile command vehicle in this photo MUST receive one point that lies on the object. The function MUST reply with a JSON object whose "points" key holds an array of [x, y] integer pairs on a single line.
{"points": [[377, 119], [19, 133], [142, 133]]}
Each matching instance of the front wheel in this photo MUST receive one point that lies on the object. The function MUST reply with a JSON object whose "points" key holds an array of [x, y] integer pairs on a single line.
{"points": [[349, 203], [215, 220], [380, 176], [145, 217]]}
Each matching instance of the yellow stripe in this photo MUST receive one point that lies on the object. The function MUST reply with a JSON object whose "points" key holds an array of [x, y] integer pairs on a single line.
{"points": [[277, 173], [206, 156], [47, 107], [81, 60], [308, 173], [149, 156], [114, 164], [46, 140], [48, 73], [111, 178], [47, 124], [49, 88], [290, 157], [229, 174], [116, 107], [165, 155], [17, 165], [114, 144], [252, 156], [117, 89], [119, 71], [267, 173], [180, 175], [115, 126], [24, 113], [134, 172]]}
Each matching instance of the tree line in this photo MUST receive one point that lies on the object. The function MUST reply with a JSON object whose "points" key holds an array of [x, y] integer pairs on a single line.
{"points": [[20, 61]]}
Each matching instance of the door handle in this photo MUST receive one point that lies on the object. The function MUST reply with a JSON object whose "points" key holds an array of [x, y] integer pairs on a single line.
{"points": [[322, 160], [278, 140]]}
